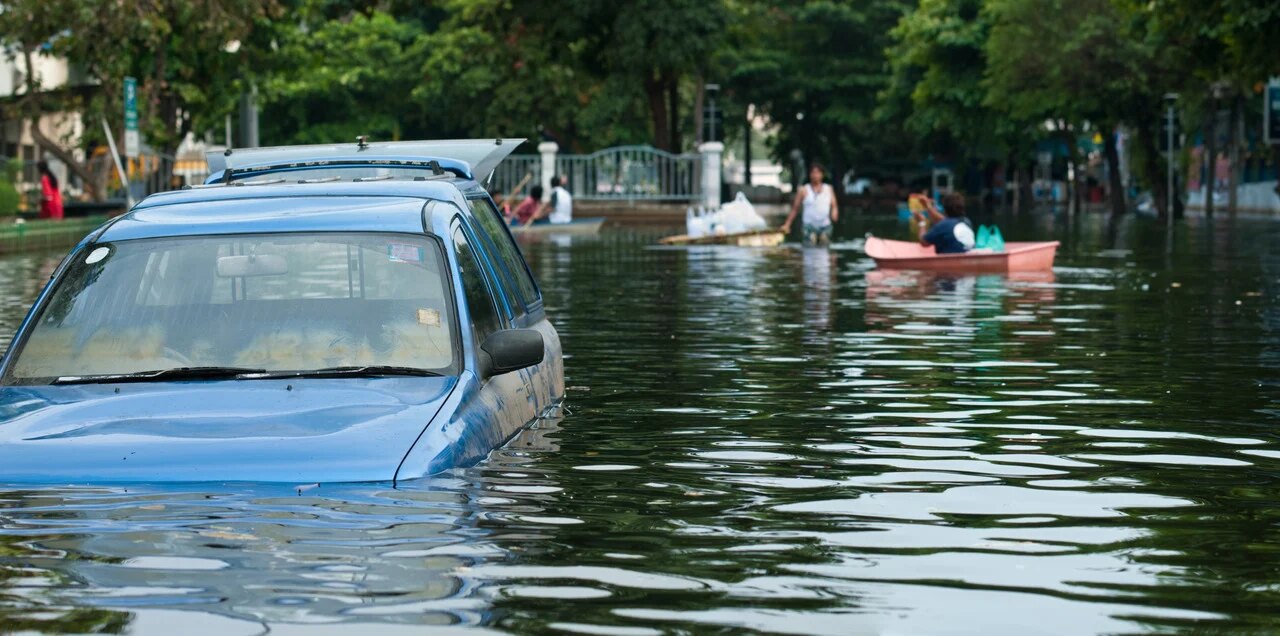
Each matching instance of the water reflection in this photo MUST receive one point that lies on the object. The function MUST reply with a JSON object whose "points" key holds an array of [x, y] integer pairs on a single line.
{"points": [[780, 440], [266, 554], [908, 300]]}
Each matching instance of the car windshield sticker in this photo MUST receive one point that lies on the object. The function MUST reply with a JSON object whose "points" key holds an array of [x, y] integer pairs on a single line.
{"points": [[97, 255], [401, 253], [429, 317]]}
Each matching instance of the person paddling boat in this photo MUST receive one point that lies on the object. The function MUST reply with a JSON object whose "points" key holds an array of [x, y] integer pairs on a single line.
{"points": [[950, 234]]}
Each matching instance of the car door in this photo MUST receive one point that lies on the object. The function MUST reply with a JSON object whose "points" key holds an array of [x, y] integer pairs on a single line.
{"points": [[545, 382], [500, 405]]}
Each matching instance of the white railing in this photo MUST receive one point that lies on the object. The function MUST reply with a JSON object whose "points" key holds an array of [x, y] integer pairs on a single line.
{"points": [[629, 173], [623, 173], [512, 171]]}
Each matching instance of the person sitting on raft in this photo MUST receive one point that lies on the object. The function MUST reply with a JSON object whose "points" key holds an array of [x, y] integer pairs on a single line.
{"points": [[951, 234], [527, 208], [559, 209]]}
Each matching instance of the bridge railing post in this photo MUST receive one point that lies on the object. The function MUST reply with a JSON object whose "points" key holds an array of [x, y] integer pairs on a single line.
{"points": [[711, 152], [548, 150]]}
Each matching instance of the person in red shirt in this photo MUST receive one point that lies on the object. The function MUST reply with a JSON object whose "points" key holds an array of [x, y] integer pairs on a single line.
{"points": [[527, 208], [50, 195]]}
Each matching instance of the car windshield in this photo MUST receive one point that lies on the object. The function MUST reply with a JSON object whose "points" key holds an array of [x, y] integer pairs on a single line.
{"points": [[270, 302]]}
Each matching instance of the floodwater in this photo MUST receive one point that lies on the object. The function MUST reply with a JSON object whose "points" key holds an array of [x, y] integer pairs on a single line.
{"points": [[780, 440]]}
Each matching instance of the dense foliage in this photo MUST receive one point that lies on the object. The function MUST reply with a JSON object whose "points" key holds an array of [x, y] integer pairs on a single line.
{"points": [[867, 85]]}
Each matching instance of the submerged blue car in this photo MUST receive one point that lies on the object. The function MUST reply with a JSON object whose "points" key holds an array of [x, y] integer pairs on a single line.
{"points": [[317, 314]]}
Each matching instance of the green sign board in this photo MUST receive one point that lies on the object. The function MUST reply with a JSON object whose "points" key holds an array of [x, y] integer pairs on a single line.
{"points": [[132, 142]]}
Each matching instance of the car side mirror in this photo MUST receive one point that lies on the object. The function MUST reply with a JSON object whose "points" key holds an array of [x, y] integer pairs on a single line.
{"points": [[511, 350]]}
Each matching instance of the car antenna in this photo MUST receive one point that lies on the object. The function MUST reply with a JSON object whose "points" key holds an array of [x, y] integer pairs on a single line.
{"points": [[362, 142]]}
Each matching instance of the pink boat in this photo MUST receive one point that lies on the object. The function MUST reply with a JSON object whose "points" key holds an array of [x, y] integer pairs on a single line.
{"points": [[1016, 257]]}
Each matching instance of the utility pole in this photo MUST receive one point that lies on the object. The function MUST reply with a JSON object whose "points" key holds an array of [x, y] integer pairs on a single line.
{"points": [[249, 117]]}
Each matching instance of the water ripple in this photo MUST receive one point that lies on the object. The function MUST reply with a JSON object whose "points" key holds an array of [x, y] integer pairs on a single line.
{"points": [[766, 440]]}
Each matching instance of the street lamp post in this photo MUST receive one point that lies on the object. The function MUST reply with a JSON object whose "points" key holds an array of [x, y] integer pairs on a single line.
{"points": [[1171, 98]]}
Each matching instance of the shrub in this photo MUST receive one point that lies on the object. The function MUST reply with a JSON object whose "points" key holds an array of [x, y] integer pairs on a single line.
{"points": [[9, 197]]}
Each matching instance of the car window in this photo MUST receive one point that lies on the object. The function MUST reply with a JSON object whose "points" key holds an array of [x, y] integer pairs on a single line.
{"points": [[484, 315], [517, 270], [280, 302]]}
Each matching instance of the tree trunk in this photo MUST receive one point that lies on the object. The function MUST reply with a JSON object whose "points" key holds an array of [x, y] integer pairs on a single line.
{"points": [[654, 92], [1151, 168], [1025, 186], [673, 110], [1211, 155], [1116, 186], [1073, 170], [65, 156], [746, 152], [1233, 152], [35, 111], [1016, 195]]}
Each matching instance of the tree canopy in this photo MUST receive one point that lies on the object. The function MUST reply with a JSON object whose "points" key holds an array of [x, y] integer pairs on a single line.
{"points": [[854, 84]]}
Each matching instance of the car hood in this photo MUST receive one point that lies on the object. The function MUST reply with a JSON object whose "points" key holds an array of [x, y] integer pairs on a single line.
{"points": [[298, 430]]}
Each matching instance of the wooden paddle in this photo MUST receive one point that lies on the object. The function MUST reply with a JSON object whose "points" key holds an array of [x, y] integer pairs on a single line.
{"points": [[507, 198]]}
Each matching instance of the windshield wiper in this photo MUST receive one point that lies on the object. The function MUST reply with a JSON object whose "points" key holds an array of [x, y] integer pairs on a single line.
{"points": [[360, 370], [177, 373]]}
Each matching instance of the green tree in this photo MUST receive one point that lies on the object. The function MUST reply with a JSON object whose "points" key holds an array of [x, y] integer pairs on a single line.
{"points": [[9, 197], [330, 74], [1078, 63], [1227, 47], [492, 69], [938, 63], [815, 70], [938, 60], [658, 44], [177, 49]]}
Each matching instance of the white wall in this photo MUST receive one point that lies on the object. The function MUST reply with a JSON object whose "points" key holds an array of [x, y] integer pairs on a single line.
{"points": [[1251, 197], [52, 73]]}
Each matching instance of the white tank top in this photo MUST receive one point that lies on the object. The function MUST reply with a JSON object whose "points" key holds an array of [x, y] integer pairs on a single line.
{"points": [[563, 210], [817, 206]]}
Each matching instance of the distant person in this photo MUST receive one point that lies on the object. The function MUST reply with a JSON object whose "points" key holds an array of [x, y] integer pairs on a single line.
{"points": [[820, 210], [559, 209], [527, 208], [50, 195], [954, 233]]}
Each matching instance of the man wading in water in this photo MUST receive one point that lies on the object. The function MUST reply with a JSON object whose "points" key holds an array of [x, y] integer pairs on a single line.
{"points": [[820, 211]]}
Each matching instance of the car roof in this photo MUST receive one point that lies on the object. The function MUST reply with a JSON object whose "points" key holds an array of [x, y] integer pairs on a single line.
{"points": [[393, 205]]}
